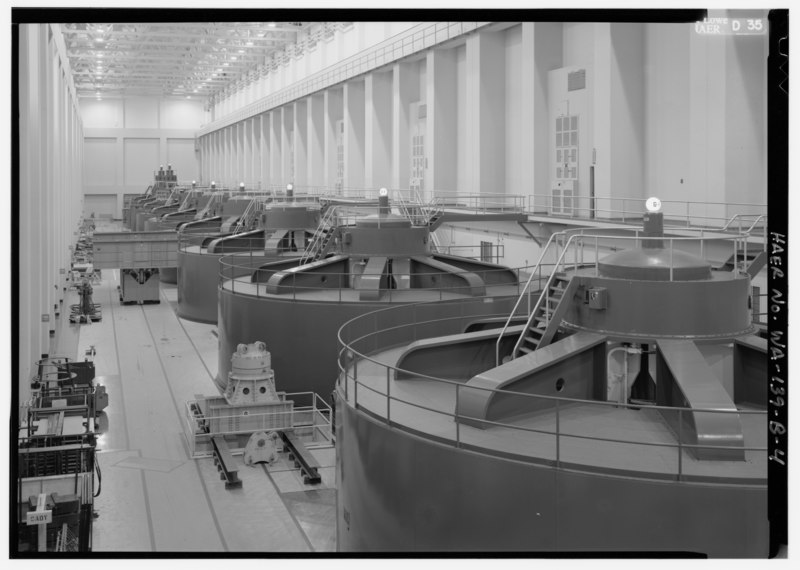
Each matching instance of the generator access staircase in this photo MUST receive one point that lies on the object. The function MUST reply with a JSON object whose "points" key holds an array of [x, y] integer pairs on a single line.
{"points": [[547, 314], [247, 217], [324, 237], [429, 214], [559, 290]]}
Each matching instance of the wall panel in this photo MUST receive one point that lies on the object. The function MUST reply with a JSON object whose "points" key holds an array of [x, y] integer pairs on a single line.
{"points": [[182, 157], [141, 161], [141, 113], [101, 162]]}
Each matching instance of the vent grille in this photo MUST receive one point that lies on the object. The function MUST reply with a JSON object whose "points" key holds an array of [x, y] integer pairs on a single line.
{"points": [[576, 80]]}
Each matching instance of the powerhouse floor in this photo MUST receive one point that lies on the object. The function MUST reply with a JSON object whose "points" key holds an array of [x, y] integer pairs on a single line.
{"points": [[154, 497]]}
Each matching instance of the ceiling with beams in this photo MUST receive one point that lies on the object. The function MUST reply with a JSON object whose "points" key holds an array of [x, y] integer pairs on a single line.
{"points": [[194, 60]]}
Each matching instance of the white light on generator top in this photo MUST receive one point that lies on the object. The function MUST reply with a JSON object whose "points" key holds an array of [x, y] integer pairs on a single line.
{"points": [[653, 204], [289, 186], [383, 192]]}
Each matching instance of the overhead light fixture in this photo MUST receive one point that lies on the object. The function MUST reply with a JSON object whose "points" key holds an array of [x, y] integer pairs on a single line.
{"points": [[247, 44], [242, 51], [188, 96], [226, 64], [271, 25]]}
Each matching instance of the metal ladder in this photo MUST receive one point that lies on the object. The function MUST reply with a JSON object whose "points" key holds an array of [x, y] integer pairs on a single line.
{"points": [[546, 316], [323, 236], [215, 197], [244, 219], [425, 218]]}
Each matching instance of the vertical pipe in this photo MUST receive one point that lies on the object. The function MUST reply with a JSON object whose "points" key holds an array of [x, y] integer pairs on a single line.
{"points": [[680, 443], [596, 256], [455, 417], [558, 434], [388, 398]]}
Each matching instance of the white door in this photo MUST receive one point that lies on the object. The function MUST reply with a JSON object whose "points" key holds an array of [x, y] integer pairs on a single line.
{"points": [[566, 164], [418, 162]]}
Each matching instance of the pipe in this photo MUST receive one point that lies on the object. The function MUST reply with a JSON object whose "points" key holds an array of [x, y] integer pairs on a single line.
{"points": [[628, 350]]}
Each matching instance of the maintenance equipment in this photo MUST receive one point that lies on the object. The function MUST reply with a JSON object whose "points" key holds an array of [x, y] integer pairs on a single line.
{"points": [[86, 310], [250, 417], [56, 457]]}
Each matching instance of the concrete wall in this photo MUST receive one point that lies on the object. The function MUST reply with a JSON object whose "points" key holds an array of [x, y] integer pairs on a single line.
{"points": [[667, 112], [51, 181], [705, 117], [126, 141]]}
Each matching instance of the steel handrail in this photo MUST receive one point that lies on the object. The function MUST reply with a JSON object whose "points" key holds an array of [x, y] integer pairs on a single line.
{"points": [[544, 295], [348, 349], [524, 292]]}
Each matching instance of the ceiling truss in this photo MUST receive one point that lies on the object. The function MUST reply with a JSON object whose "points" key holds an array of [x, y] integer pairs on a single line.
{"points": [[203, 60]]}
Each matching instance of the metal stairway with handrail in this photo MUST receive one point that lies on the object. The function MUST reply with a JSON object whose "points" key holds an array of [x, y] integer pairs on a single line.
{"points": [[324, 236], [545, 316]]}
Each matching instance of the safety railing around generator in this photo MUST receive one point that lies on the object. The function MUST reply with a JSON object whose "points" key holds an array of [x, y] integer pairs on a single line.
{"points": [[686, 213], [197, 242], [582, 248], [562, 436], [245, 274], [304, 414]]}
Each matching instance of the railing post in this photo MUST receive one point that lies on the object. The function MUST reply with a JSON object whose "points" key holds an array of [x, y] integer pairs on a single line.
{"points": [[558, 434], [680, 443], [596, 256], [702, 243], [455, 417], [388, 398]]}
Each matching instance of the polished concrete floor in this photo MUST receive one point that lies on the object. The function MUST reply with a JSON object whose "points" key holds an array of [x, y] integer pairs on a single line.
{"points": [[153, 496]]}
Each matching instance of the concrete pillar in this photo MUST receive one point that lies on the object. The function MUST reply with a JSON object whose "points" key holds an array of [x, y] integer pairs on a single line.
{"points": [[405, 89], [442, 120], [255, 164], [287, 144], [316, 140], [245, 174], [707, 61], [334, 112], [262, 160], [485, 68], [276, 171], [354, 134], [378, 129], [300, 130], [547, 40]]}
